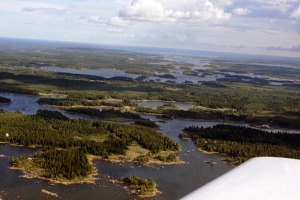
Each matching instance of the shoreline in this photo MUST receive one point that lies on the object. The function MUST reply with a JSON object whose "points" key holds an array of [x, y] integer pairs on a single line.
{"points": [[90, 179], [208, 152]]}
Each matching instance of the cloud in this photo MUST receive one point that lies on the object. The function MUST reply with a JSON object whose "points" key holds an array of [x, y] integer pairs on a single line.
{"points": [[114, 30], [210, 13], [241, 11], [154, 11], [225, 3], [281, 5], [129, 36], [296, 13], [117, 21], [295, 48], [33, 9], [96, 19], [146, 10], [28, 6]]}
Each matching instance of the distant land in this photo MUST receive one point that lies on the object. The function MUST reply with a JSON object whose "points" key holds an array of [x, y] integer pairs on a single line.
{"points": [[144, 49]]}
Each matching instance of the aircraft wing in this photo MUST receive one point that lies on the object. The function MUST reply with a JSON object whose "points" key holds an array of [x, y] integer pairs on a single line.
{"points": [[263, 178]]}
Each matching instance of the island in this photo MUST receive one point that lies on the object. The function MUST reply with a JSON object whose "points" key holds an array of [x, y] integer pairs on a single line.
{"points": [[239, 143], [69, 146], [144, 188]]}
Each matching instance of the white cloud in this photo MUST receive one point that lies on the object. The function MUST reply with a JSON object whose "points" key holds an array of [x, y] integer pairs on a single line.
{"points": [[146, 10], [28, 6], [281, 5], [296, 13], [241, 11], [209, 12], [96, 19], [117, 21], [154, 11]]}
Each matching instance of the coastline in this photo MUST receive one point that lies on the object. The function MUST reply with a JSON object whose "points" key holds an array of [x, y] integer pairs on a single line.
{"points": [[30, 174]]}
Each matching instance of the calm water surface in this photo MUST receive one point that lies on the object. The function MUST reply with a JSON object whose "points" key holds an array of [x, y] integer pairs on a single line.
{"points": [[109, 73]]}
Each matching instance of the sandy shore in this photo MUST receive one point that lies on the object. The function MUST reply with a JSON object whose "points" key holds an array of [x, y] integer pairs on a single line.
{"points": [[208, 152]]}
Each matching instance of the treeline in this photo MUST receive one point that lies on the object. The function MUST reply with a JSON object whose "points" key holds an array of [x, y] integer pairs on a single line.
{"points": [[244, 134], [51, 132], [239, 152], [146, 123], [47, 114], [104, 113], [56, 164], [76, 100], [242, 143], [4, 100]]}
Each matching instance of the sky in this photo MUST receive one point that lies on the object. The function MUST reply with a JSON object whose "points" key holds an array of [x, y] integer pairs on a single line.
{"points": [[264, 27]]}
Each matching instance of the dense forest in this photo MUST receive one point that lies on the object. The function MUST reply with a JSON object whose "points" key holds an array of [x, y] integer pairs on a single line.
{"points": [[242, 143], [104, 113], [58, 164], [46, 131], [50, 129]]}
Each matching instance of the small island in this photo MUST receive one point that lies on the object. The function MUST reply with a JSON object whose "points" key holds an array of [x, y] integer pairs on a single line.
{"points": [[58, 166], [144, 188]]}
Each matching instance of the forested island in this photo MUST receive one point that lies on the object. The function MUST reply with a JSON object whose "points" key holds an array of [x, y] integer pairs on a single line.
{"points": [[242, 143], [67, 144], [140, 186]]}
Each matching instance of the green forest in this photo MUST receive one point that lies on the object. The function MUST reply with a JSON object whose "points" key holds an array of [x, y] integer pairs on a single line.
{"points": [[51, 129], [57, 164], [254, 104], [242, 143], [139, 185]]}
